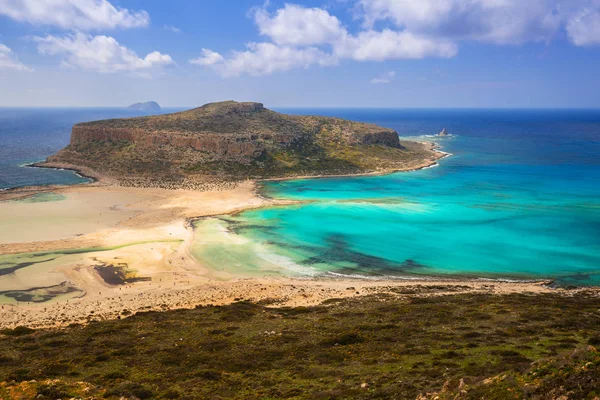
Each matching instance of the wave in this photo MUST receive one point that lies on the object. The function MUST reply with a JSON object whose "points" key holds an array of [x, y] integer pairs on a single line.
{"points": [[286, 263], [29, 164], [431, 166], [428, 136], [381, 277], [76, 173], [432, 278]]}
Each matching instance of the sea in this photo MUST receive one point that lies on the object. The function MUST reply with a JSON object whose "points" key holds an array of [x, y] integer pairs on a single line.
{"points": [[517, 199], [29, 135]]}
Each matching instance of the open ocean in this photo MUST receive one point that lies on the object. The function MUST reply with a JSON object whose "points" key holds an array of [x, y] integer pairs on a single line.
{"points": [[28, 135], [518, 199]]}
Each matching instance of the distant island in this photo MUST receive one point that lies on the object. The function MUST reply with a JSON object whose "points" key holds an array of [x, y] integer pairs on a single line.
{"points": [[231, 141], [148, 106]]}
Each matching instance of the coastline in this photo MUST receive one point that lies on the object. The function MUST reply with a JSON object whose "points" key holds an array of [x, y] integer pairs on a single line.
{"points": [[432, 146], [152, 232], [82, 172], [276, 292]]}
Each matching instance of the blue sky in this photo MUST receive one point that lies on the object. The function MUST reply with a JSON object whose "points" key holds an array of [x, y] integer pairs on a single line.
{"points": [[329, 53]]}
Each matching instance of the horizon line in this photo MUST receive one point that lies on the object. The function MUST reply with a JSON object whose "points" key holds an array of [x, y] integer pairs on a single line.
{"points": [[124, 108]]}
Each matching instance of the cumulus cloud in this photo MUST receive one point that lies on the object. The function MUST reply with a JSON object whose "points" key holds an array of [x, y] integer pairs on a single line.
{"points": [[389, 45], [584, 27], [492, 21], [384, 78], [264, 59], [311, 36], [208, 57], [301, 36], [99, 53], [296, 25], [9, 61], [73, 14]]}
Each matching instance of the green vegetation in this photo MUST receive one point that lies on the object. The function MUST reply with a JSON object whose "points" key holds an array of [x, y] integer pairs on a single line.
{"points": [[471, 346], [232, 141]]}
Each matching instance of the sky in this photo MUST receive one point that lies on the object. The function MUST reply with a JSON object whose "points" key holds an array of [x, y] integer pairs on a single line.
{"points": [[327, 53]]}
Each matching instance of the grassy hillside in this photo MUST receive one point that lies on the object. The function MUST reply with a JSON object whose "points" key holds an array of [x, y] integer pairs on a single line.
{"points": [[234, 141], [470, 346]]}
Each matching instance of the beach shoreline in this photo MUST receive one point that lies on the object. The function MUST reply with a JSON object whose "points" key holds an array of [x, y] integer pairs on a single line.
{"points": [[272, 291], [150, 232]]}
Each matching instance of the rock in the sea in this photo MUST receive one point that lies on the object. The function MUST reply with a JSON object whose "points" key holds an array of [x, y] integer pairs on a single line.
{"points": [[444, 132], [149, 106]]}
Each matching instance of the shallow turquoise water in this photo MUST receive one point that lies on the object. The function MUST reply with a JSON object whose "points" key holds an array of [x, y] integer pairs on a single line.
{"points": [[519, 199]]}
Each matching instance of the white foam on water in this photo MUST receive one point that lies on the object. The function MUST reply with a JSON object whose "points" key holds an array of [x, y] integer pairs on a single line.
{"points": [[382, 277], [286, 263], [431, 166]]}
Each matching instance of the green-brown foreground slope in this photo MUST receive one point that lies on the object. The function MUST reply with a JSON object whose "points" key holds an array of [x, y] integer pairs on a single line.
{"points": [[458, 346], [233, 141]]}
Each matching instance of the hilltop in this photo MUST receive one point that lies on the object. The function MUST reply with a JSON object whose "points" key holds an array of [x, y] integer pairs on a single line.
{"points": [[231, 141], [149, 106]]}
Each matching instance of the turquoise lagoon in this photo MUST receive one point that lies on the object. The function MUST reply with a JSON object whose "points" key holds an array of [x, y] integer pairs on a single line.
{"points": [[518, 199]]}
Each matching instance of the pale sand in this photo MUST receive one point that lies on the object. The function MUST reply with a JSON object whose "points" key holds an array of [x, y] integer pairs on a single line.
{"points": [[106, 216], [178, 290], [154, 225]]}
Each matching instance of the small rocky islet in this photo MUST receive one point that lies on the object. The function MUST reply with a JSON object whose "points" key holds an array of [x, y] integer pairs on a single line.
{"points": [[148, 106]]}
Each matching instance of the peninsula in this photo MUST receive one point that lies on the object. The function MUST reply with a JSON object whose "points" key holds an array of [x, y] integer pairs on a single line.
{"points": [[231, 141]]}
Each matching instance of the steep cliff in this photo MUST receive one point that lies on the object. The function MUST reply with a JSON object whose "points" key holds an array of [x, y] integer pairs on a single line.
{"points": [[232, 141]]}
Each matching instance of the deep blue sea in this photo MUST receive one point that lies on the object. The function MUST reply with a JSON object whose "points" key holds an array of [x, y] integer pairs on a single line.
{"points": [[518, 199], [29, 135]]}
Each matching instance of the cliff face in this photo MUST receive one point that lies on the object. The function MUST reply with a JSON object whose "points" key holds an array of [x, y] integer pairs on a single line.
{"points": [[232, 141], [223, 146]]}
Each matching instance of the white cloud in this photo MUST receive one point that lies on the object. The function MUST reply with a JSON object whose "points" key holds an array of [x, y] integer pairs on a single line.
{"points": [[73, 14], [99, 53], [492, 21], [264, 59], [388, 45], [311, 36], [172, 28], [584, 27], [296, 25], [208, 57], [416, 29], [9, 61], [496, 21], [384, 78]]}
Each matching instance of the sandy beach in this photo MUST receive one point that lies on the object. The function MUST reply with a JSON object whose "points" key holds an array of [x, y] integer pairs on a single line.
{"points": [[99, 251], [178, 290]]}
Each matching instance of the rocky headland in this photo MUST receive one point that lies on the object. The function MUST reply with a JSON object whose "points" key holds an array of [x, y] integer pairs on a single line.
{"points": [[230, 142]]}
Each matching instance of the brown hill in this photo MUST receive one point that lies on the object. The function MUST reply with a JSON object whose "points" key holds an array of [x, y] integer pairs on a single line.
{"points": [[233, 141]]}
